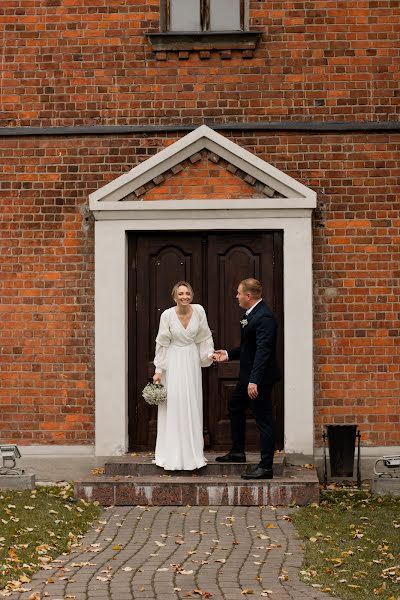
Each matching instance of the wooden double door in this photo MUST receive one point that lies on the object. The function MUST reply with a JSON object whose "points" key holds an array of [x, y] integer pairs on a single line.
{"points": [[214, 263]]}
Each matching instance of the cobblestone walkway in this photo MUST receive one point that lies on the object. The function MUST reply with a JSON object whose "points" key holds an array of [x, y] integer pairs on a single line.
{"points": [[171, 553]]}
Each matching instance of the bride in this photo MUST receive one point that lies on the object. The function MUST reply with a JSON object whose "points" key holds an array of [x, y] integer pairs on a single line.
{"points": [[184, 344]]}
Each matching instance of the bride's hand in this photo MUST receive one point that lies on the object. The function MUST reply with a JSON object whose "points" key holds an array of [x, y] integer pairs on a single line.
{"points": [[220, 356], [157, 378]]}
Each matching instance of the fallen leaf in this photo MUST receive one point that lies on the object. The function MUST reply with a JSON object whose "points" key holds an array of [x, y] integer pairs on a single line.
{"points": [[378, 591], [98, 471], [183, 572]]}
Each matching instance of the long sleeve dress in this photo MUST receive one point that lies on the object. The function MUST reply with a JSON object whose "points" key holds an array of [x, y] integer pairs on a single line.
{"points": [[180, 354]]}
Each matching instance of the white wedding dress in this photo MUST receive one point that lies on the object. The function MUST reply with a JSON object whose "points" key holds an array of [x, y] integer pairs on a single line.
{"points": [[180, 354]]}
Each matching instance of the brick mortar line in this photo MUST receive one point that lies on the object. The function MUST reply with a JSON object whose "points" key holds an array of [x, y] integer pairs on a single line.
{"points": [[211, 549], [184, 527], [250, 545], [152, 520], [220, 570], [260, 530], [144, 550], [149, 531]]}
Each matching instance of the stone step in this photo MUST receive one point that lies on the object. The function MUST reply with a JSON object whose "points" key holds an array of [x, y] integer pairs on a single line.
{"points": [[297, 486], [141, 465]]}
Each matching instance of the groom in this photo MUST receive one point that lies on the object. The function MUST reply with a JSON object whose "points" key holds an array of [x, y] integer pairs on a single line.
{"points": [[258, 373]]}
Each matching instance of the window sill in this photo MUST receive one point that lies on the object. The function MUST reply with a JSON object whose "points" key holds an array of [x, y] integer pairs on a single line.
{"points": [[205, 42]]}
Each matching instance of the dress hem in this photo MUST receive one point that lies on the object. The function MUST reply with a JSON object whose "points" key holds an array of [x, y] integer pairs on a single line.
{"points": [[166, 468]]}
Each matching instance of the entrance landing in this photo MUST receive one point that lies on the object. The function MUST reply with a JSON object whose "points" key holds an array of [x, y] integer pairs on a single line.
{"points": [[133, 480]]}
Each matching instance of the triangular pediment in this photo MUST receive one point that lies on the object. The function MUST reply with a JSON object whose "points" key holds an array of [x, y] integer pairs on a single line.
{"points": [[203, 176], [203, 147]]}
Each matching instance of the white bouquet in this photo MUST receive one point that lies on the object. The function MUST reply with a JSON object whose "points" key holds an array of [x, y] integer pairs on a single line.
{"points": [[154, 393]]}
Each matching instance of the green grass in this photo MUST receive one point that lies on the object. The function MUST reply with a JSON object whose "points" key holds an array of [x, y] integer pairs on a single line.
{"points": [[36, 526], [352, 545]]}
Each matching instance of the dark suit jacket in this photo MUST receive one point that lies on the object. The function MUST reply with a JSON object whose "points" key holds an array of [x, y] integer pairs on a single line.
{"points": [[257, 350]]}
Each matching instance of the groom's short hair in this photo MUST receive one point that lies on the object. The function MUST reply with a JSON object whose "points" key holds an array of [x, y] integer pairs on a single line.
{"points": [[252, 286]]}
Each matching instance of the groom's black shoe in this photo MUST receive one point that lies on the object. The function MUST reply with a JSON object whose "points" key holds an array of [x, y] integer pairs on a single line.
{"points": [[232, 457], [259, 473]]}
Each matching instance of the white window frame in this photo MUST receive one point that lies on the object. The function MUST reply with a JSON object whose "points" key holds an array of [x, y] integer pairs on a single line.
{"points": [[204, 15]]}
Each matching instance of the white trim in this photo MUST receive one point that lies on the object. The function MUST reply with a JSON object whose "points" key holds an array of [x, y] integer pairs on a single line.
{"points": [[290, 214], [53, 451], [111, 321], [193, 142], [151, 208], [365, 451]]}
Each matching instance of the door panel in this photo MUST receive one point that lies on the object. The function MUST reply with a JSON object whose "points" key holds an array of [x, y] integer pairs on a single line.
{"points": [[213, 263], [158, 262], [231, 258]]}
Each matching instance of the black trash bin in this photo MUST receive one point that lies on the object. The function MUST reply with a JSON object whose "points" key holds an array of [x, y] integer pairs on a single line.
{"points": [[342, 444]]}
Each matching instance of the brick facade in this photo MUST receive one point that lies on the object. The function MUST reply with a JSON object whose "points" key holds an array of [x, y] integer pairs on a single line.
{"points": [[71, 62], [86, 62]]}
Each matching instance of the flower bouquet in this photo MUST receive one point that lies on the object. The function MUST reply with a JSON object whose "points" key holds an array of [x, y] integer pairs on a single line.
{"points": [[154, 393]]}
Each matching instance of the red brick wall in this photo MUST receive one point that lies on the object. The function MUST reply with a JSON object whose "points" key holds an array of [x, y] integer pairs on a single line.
{"points": [[74, 62], [83, 62], [202, 181], [47, 276]]}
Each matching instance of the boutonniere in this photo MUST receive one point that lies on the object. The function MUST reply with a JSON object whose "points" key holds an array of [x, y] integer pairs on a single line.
{"points": [[244, 322]]}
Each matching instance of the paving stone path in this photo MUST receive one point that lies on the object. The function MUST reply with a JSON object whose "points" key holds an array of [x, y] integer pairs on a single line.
{"points": [[171, 553]]}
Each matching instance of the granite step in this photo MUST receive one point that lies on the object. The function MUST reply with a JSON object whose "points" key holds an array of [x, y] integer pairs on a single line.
{"points": [[297, 485], [140, 464]]}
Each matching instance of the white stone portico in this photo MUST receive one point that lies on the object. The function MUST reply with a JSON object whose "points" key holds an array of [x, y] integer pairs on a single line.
{"points": [[116, 216]]}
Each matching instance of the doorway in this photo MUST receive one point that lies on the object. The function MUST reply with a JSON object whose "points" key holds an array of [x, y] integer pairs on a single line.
{"points": [[214, 263]]}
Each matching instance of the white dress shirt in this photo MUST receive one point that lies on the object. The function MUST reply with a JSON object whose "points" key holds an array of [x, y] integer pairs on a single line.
{"points": [[248, 311]]}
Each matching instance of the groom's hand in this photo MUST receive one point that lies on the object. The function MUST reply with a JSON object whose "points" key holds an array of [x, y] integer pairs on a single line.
{"points": [[220, 356], [252, 390]]}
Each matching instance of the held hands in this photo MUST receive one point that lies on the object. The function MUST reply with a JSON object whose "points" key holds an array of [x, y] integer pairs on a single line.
{"points": [[219, 356]]}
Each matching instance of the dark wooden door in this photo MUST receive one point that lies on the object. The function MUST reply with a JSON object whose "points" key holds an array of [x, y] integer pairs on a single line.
{"points": [[213, 263], [232, 257]]}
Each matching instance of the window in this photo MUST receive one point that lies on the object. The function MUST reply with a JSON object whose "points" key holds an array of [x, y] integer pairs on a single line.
{"points": [[203, 15], [204, 26]]}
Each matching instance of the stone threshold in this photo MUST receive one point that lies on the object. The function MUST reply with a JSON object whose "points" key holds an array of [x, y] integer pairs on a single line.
{"points": [[142, 464]]}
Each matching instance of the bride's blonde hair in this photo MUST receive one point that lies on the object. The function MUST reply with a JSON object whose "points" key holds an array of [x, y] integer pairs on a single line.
{"points": [[177, 285]]}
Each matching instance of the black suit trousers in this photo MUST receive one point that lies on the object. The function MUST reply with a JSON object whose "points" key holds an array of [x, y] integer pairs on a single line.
{"points": [[262, 411]]}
